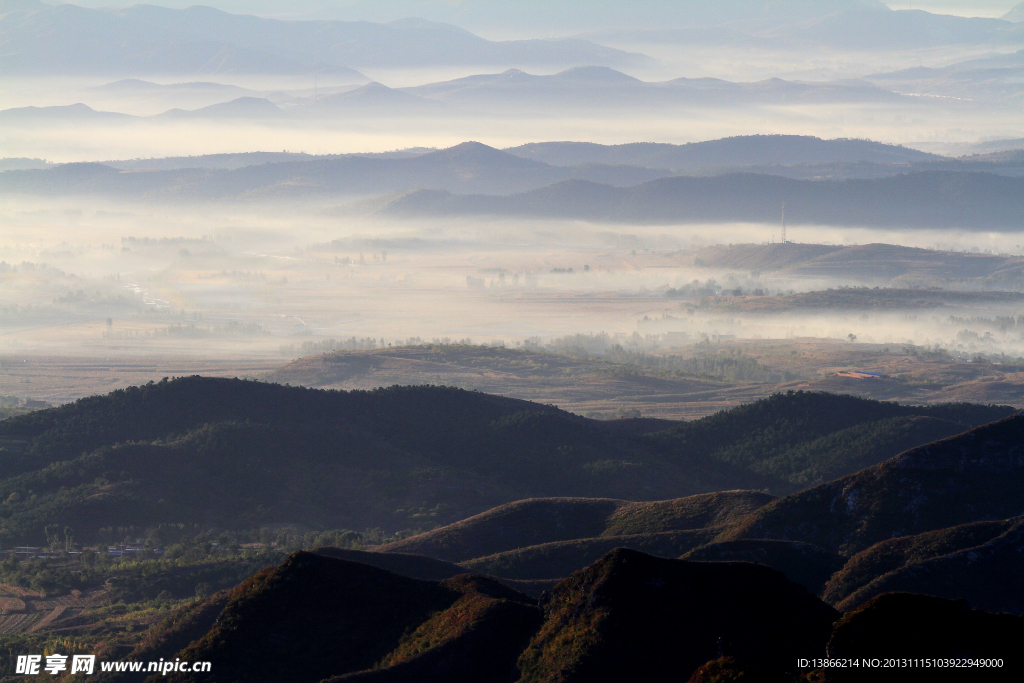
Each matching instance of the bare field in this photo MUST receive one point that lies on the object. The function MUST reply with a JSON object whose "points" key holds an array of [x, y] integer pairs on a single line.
{"points": [[599, 388], [60, 379]]}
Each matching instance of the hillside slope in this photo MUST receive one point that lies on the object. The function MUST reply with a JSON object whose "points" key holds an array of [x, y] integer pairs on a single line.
{"points": [[987, 576], [241, 455], [806, 438], [972, 477], [322, 616], [562, 558], [892, 554], [923, 627], [620, 619], [913, 200], [527, 523], [628, 616], [802, 563]]}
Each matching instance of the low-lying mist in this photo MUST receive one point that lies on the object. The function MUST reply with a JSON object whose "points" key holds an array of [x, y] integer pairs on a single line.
{"points": [[95, 279]]}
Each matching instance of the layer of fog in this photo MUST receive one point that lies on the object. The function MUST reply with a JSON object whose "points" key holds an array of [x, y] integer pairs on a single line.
{"points": [[144, 139], [94, 279]]}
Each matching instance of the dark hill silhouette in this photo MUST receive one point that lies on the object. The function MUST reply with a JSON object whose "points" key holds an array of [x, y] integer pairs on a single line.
{"points": [[628, 616], [802, 563], [477, 639], [244, 454], [838, 434], [972, 477], [922, 199], [921, 627], [621, 619], [325, 617], [430, 569], [403, 564], [746, 150], [892, 554], [562, 558], [986, 575], [527, 523]]}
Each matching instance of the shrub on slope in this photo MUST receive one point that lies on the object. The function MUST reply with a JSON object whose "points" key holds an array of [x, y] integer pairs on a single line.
{"points": [[889, 555], [971, 477], [633, 617], [537, 521], [562, 558], [804, 438], [988, 576]]}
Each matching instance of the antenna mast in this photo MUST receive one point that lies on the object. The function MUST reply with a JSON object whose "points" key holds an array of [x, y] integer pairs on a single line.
{"points": [[783, 223]]}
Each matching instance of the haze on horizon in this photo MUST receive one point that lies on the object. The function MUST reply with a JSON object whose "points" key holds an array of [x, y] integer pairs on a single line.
{"points": [[353, 226]]}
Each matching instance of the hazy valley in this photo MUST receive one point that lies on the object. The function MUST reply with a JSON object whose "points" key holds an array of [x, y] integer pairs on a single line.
{"points": [[483, 341]]}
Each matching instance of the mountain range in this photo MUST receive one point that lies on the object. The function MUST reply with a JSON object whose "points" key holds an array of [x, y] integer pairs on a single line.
{"points": [[994, 78], [582, 88], [585, 87], [901, 179], [468, 167], [849, 26], [894, 555], [261, 454], [40, 39], [914, 531], [740, 151], [926, 199], [905, 524]]}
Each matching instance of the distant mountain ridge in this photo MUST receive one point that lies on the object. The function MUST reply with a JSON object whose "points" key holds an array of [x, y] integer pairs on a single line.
{"points": [[582, 88], [744, 150], [469, 167], [740, 151], [145, 39], [913, 200], [585, 87], [475, 179], [836, 26]]}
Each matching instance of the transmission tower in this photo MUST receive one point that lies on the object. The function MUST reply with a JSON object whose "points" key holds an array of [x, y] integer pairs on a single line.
{"points": [[783, 223]]}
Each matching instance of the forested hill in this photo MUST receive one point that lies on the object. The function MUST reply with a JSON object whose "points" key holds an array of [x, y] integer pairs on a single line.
{"points": [[239, 454]]}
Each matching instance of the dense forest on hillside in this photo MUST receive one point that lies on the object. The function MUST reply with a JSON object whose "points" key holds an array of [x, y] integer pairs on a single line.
{"points": [[232, 454], [557, 588]]}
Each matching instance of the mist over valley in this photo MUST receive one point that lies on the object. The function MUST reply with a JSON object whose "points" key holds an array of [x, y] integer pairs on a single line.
{"points": [[486, 341]]}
